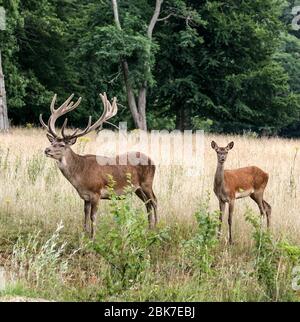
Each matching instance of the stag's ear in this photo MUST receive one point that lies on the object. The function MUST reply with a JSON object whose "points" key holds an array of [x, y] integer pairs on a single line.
{"points": [[230, 146], [71, 141], [214, 145], [50, 138]]}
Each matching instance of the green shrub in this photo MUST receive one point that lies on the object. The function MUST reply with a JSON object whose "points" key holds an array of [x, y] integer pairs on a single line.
{"points": [[124, 241], [199, 251], [274, 261]]}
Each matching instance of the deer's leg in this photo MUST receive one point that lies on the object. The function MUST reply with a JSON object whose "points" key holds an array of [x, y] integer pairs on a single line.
{"points": [[231, 209], [154, 206], [222, 206], [258, 198], [94, 208], [268, 210], [151, 199], [87, 213], [142, 195]]}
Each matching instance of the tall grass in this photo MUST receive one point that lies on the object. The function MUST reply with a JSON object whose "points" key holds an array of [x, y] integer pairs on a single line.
{"points": [[35, 198]]}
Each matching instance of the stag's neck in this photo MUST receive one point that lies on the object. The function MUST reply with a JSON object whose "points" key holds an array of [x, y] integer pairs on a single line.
{"points": [[71, 165], [219, 184]]}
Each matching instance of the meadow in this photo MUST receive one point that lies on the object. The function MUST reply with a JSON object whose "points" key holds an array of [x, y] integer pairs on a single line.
{"points": [[46, 255]]}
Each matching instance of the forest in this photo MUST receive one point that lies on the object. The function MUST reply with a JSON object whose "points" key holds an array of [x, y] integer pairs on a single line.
{"points": [[223, 66]]}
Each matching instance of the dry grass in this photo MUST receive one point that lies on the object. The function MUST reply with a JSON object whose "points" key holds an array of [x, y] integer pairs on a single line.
{"points": [[35, 196]]}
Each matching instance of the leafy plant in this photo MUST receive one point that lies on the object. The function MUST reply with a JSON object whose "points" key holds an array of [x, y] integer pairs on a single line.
{"points": [[40, 263], [274, 261], [199, 250], [125, 241]]}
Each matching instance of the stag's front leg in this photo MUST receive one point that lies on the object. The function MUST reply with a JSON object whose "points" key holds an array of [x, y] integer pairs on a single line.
{"points": [[87, 213]]}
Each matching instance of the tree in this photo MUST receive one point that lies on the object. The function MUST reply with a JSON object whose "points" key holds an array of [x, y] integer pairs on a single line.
{"points": [[226, 66], [137, 103], [4, 125], [225, 69]]}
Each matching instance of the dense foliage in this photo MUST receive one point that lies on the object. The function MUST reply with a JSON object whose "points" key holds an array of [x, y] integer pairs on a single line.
{"points": [[226, 66]]}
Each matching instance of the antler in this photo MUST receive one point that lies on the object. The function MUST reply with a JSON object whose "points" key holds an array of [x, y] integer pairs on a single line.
{"points": [[109, 111], [66, 107]]}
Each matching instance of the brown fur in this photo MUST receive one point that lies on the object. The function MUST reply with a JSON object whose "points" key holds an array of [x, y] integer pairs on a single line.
{"points": [[91, 179], [244, 179], [239, 183], [90, 175]]}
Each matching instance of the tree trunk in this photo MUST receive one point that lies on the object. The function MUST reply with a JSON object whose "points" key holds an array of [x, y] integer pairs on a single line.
{"points": [[179, 120], [137, 109], [130, 96], [183, 119], [137, 105], [4, 125], [142, 107]]}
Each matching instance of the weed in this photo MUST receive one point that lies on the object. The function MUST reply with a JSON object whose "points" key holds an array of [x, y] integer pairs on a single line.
{"points": [[199, 250], [35, 167], [125, 242]]}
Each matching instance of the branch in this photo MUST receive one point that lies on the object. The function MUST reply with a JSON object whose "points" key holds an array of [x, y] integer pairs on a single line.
{"points": [[154, 18], [167, 17], [115, 76]]}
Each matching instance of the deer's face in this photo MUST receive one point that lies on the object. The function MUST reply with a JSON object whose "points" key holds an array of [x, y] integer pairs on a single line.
{"points": [[222, 152], [58, 148]]}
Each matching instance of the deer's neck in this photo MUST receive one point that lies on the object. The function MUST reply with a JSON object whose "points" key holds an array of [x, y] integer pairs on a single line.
{"points": [[219, 184], [71, 166]]}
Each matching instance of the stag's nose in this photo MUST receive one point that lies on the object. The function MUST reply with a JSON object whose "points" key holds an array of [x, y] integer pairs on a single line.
{"points": [[47, 150]]}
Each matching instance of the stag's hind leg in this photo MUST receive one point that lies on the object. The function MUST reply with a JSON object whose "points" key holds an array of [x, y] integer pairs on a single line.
{"points": [[143, 196], [151, 198], [94, 208], [87, 213]]}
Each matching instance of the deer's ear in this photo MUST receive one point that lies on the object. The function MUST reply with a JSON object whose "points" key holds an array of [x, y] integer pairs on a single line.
{"points": [[71, 141], [214, 145], [50, 138], [230, 146]]}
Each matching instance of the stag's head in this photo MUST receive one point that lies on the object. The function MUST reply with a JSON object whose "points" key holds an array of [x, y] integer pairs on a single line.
{"points": [[61, 144], [222, 152]]}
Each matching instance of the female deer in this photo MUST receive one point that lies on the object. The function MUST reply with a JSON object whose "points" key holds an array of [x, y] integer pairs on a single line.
{"points": [[239, 183]]}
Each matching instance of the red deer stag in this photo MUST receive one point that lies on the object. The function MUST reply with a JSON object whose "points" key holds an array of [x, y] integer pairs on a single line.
{"points": [[91, 178], [239, 183]]}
